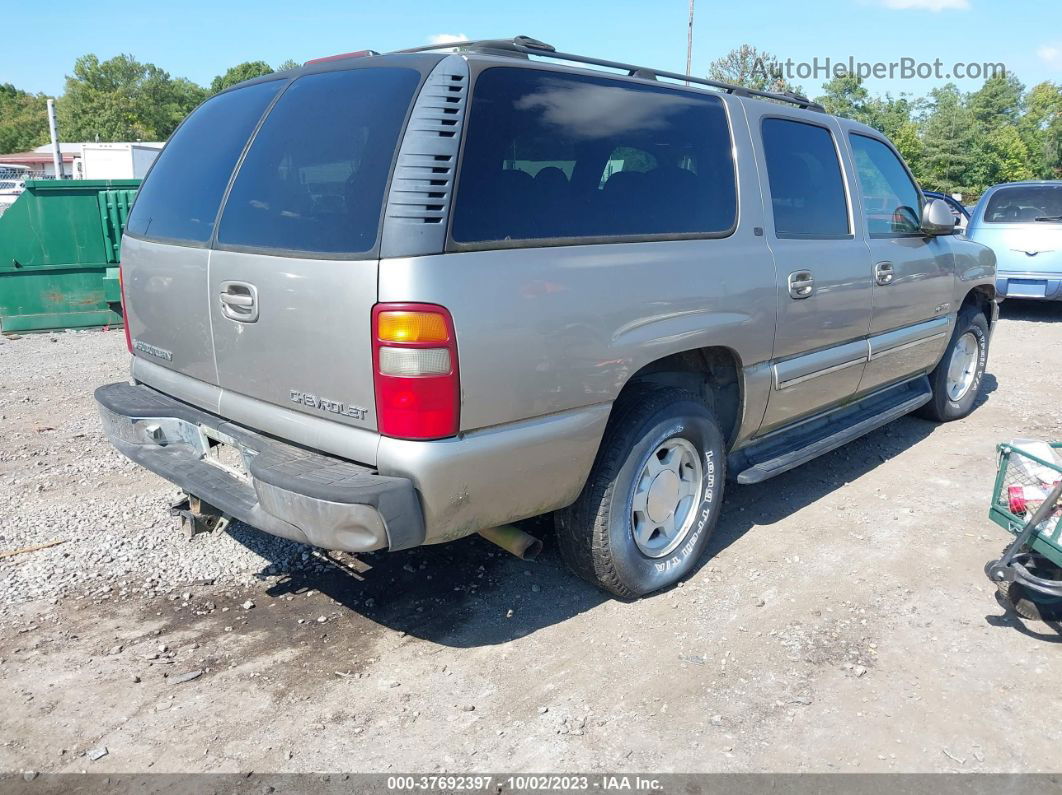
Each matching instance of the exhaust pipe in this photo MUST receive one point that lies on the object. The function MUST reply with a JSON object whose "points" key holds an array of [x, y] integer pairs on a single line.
{"points": [[514, 540]]}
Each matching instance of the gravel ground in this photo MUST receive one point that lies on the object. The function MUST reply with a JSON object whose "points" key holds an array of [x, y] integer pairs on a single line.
{"points": [[61, 480], [842, 622]]}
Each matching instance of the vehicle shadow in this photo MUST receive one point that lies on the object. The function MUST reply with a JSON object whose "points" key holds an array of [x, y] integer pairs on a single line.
{"points": [[469, 593], [464, 594], [764, 504], [1031, 311]]}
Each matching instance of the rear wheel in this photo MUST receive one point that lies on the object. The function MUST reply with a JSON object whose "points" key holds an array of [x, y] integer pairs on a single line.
{"points": [[653, 497], [956, 381]]}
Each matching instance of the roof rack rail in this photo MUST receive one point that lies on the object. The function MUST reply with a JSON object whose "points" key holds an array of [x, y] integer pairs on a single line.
{"points": [[525, 46]]}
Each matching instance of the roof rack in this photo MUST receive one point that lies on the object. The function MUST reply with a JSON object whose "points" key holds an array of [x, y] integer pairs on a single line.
{"points": [[524, 46]]}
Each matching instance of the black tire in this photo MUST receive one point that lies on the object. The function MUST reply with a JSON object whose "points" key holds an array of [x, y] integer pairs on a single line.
{"points": [[596, 533], [942, 408], [1032, 605], [1031, 609]]}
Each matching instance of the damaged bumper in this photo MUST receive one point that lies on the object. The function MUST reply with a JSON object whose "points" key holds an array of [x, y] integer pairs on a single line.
{"points": [[276, 487]]}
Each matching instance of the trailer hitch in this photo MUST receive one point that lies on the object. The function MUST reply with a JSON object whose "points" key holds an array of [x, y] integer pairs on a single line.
{"points": [[198, 516]]}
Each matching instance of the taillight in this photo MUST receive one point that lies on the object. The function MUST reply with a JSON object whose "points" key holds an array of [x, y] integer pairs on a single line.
{"points": [[414, 356], [125, 311]]}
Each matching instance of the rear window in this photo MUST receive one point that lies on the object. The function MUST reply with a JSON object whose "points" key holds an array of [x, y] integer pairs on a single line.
{"points": [[555, 156], [1025, 204], [314, 177], [179, 200]]}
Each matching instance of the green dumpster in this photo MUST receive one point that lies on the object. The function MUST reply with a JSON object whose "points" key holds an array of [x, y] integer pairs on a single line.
{"points": [[59, 251]]}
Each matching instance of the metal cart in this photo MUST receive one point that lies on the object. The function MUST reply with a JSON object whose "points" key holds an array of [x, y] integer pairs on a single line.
{"points": [[1026, 502]]}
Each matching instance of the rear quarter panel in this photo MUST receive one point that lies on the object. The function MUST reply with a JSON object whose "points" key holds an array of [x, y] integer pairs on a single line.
{"points": [[544, 330]]}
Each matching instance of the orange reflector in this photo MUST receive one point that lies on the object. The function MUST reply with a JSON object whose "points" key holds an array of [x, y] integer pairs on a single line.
{"points": [[411, 327]]}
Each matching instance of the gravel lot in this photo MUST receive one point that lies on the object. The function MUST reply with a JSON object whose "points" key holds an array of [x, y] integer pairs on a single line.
{"points": [[842, 624]]}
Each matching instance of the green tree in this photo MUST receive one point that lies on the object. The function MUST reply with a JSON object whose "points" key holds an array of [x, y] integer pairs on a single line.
{"points": [[757, 69], [1041, 130], [121, 99], [952, 159], [239, 73], [288, 64], [999, 101], [846, 96], [1006, 158], [23, 119]]}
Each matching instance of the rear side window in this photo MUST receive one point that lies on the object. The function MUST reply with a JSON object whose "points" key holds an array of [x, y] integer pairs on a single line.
{"points": [[314, 177], [556, 156], [892, 202], [179, 200], [1025, 204], [807, 186]]}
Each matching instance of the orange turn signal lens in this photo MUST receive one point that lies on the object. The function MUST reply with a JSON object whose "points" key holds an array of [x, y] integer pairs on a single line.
{"points": [[411, 327]]}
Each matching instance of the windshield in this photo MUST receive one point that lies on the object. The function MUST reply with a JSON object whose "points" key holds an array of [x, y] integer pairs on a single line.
{"points": [[1025, 204]]}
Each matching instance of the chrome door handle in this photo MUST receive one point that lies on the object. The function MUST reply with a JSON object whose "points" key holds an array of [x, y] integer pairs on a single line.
{"points": [[884, 274], [239, 301], [801, 284]]}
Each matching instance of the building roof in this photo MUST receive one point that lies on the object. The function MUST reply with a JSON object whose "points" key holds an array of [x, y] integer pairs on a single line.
{"points": [[25, 158]]}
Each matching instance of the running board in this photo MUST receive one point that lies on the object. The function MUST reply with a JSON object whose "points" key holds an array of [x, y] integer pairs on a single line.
{"points": [[784, 450]]}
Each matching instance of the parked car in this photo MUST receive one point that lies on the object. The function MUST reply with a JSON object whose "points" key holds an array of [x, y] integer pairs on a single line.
{"points": [[10, 189], [1022, 223], [958, 209], [385, 301]]}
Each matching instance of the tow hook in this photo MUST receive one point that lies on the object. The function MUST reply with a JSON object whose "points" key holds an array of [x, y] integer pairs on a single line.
{"points": [[198, 516]]}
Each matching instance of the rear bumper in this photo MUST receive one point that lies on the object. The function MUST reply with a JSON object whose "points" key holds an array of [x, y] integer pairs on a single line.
{"points": [[1032, 286], [282, 489]]}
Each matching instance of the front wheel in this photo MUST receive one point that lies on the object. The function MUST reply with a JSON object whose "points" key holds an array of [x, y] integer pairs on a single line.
{"points": [[653, 496], [956, 381]]}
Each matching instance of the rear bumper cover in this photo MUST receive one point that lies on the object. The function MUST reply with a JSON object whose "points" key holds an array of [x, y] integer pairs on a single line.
{"points": [[282, 489], [1034, 286]]}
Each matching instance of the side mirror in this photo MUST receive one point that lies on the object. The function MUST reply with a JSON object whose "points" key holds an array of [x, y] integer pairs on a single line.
{"points": [[937, 218]]}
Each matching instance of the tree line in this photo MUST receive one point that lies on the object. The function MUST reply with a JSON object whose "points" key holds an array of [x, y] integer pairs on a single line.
{"points": [[119, 99], [954, 141]]}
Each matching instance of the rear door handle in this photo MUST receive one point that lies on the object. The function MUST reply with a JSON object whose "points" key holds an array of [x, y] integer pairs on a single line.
{"points": [[884, 274], [239, 301], [801, 284]]}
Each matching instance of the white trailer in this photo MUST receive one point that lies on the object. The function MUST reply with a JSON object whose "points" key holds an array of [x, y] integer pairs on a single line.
{"points": [[115, 160]]}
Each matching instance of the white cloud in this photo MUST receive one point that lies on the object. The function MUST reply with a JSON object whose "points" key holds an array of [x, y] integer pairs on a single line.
{"points": [[928, 5], [446, 38], [1050, 54]]}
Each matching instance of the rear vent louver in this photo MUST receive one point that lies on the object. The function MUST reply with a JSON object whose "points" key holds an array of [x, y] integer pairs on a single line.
{"points": [[419, 200]]}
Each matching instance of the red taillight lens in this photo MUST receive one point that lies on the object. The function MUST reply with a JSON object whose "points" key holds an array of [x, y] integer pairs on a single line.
{"points": [[125, 311], [414, 354]]}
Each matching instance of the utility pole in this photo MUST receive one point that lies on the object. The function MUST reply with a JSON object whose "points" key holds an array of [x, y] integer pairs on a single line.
{"points": [[57, 154], [689, 45]]}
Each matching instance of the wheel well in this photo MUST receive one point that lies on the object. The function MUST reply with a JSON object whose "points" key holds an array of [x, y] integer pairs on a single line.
{"points": [[712, 373], [979, 298]]}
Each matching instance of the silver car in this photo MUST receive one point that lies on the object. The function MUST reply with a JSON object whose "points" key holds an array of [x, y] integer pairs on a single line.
{"points": [[384, 301], [1022, 223]]}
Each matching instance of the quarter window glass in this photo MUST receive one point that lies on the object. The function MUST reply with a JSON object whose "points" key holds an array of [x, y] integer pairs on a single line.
{"points": [[180, 198], [807, 187], [551, 156], [1026, 204], [314, 177], [892, 202]]}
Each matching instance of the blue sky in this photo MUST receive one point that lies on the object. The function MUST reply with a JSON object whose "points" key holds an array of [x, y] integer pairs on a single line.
{"points": [[199, 39]]}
